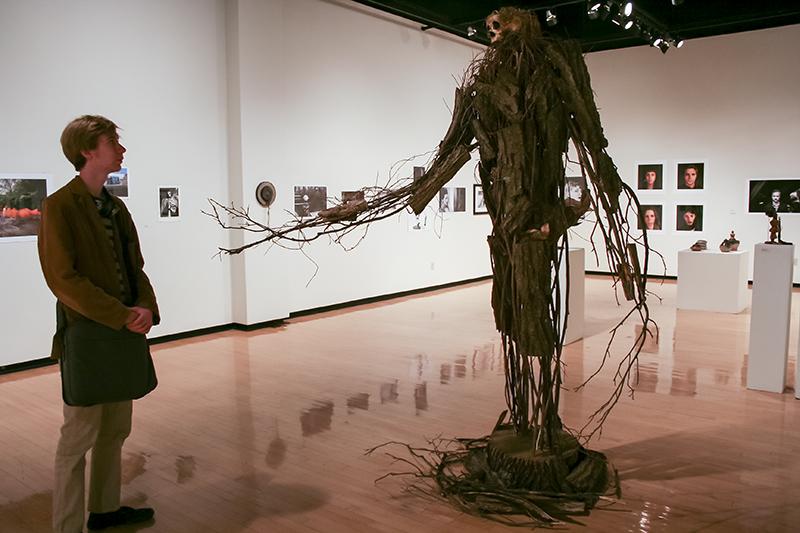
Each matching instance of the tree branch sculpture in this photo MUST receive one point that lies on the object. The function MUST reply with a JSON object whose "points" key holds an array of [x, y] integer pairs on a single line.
{"points": [[521, 104]]}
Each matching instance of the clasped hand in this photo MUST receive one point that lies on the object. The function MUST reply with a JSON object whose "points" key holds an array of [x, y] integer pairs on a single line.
{"points": [[140, 320]]}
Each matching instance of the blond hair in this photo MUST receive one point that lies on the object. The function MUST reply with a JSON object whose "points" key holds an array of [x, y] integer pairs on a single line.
{"points": [[82, 134]]}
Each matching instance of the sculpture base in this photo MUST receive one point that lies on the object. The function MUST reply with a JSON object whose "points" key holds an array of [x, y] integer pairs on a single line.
{"points": [[567, 468]]}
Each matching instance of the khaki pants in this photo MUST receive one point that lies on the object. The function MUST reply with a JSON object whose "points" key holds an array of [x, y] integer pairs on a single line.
{"points": [[102, 428]]}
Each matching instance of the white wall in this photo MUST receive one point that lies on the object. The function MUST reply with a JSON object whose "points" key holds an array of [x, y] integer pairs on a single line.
{"points": [[333, 94], [157, 69], [731, 101], [217, 95]]}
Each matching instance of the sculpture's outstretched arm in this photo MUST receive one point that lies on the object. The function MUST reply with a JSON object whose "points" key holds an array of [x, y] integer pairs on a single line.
{"points": [[378, 203], [454, 152]]}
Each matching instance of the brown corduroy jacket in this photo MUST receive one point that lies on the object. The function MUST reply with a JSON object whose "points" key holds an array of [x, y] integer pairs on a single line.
{"points": [[79, 265]]}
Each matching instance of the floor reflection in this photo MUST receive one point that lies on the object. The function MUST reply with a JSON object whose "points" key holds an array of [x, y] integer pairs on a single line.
{"points": [[317, 418], [358, 401], [185, 466], [421, 397]]}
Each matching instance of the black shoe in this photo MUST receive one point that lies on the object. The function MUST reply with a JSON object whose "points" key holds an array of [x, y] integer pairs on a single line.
{"points": [[122, 516]]}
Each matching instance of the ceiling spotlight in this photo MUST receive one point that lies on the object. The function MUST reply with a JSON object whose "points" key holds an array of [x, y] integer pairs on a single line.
{"points": [[550, 17], [658, 41], [677, 2], [629, 24], [628, 9], [594, 10], [678, 42], [471, 31]]}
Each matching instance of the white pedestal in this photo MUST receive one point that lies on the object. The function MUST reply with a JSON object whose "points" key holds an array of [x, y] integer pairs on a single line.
{"points": [[577, 293], [769, 324], [712, 281]]}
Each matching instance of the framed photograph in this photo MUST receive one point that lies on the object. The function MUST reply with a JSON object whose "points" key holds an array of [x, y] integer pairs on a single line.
{"points": [[21, 205], [690, 176], [117, 183], [650, 176], [452, 199], [650, 217], [418, 172], [169, 205], [689, 218], [352, 197], [309, 200], [574, 187], [478, 204], [783, 195]]}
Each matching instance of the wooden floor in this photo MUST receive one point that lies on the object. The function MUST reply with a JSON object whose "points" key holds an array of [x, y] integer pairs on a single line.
{"points": [[265, 430]]}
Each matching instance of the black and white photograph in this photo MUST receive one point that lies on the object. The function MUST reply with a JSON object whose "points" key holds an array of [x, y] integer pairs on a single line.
{"points": [[689, 218], [452, 199], [169, 203], [419, 222], [20, 205], [690, 176], [651, 177], [459, 195], [573, 189], [478, 204], [782, 195], [650, 217], [309, 200], [352, 198], [117, 183]]}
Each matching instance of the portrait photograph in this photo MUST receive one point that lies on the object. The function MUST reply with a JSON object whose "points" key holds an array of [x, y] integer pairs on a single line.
{"points": [[782, 195], [117, 183], [574, 186], [452, 199], [690, 176], [650, 217], [689, 218], [20, 206], [352, 198], [478, 205], [651, 177], [169, 202], [309, 200]]}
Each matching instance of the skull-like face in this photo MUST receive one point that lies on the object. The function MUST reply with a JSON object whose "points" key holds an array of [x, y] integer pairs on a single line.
{"points": [[496, 26]]}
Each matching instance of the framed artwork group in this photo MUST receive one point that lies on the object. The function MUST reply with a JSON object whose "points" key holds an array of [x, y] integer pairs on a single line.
{"points": [[688, 182]]}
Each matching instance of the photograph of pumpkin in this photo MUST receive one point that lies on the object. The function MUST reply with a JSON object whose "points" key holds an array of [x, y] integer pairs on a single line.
{"points": [[20, 206], [526, 104]]}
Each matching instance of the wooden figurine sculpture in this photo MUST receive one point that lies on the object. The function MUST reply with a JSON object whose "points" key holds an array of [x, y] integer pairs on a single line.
{"points": [[774, 227], [521, 105]]}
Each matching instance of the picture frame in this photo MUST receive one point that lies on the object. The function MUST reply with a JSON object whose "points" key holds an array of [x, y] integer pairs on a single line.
{"points": [[690, 176], [781, 194], [651, 217], [689, 217], [21, 197], [310, 200], [650, 176], [478, 203], [169, 206]]}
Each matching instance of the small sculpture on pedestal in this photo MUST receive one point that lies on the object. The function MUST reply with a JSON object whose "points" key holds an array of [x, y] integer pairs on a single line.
{"points": [[774, 227], [699, 246], [731, 244]]}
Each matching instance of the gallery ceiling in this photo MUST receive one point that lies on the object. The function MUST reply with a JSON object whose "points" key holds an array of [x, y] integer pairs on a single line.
{"points": [[600, 25]]}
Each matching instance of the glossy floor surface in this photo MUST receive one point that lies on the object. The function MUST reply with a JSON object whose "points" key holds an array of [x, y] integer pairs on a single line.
{"points": [[266, 430]]}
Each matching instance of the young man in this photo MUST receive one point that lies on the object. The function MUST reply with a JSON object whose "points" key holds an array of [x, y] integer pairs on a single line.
{"points": [[91, 259]]}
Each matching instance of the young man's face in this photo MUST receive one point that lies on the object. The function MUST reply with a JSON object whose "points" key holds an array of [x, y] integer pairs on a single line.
{"points": [[107, 156], [689, 217], [690, 177]]}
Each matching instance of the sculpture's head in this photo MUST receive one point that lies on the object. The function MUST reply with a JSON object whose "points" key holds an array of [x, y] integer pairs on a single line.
{"points": [[511, 20]]}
